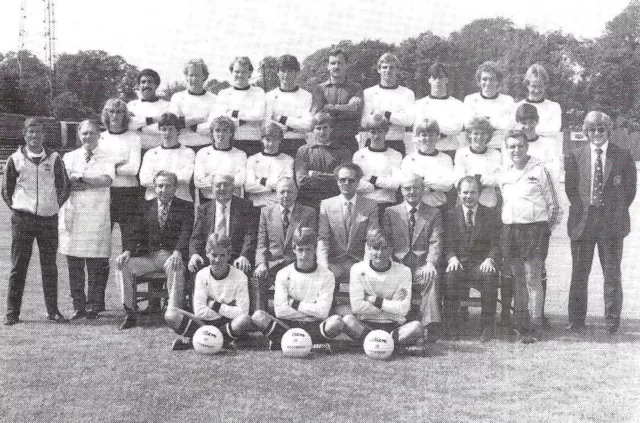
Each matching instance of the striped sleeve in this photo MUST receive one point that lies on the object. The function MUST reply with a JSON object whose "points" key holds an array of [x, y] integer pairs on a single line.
{"points": [[550, 193]]}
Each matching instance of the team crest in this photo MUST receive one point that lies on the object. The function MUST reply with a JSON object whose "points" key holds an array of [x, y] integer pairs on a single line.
{"points": [[617, 180]]}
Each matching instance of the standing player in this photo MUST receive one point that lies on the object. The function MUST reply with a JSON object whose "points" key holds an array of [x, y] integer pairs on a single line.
{"points": [[264, 169], [194, 105], [435, 167], [550, 114], [245, 104], [290, 105], [34, 187], [148, 109], [541, 147], [449, 112], [489, 102], [303, 297], [380, 295], [220, 157], [380, 165], [220, 299], [342, 99], [390, 100]]}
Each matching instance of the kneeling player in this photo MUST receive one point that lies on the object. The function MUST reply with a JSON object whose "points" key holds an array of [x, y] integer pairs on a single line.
{"points": [[220, 298], [380, 293], [303, 297]]}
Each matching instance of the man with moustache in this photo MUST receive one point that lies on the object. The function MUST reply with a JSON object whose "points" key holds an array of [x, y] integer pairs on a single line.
{"points": [[147, 110]]}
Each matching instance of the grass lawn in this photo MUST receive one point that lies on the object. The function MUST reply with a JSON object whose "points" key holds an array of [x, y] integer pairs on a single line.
{"points": [[90, 371]]}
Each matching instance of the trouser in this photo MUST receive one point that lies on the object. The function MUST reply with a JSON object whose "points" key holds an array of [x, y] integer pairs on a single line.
{"points": [[154, 262], [397, 145], [528, 298], [341, 271], [97, 275], [429, 292], [250, 147], [259, 287], [126, 204], [314, 328], [290, 146], [610, 255], [458, 283], [25, 227]]}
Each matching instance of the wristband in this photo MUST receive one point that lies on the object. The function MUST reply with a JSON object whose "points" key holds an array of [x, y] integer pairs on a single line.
{"points": [[194, 128], [283, 120], [215, 306], [183, 124], [373, 180], [387, 115], [263, 181], [378, 302], [235, 114], [295, 304], [149, 121]]}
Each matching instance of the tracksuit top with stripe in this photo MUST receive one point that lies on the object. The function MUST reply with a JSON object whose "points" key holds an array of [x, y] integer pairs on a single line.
{"points": [[39, 189]]}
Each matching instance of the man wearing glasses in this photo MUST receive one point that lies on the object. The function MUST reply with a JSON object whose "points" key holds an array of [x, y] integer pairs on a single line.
{"points": [[600, 183], [344, 222]]}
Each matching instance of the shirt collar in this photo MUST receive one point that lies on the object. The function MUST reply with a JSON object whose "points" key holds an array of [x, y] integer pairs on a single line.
{"points": [[153, 100], [289, 208], [197, 94], [223, 276], [222, 149], [393, 87], [352, 201], [465, 209], [175, 147], [376, 150], [435, 153], [409, 207], [242, 89], [478, 152], [535, 101], [32, 155], [265, 154], [438, 98], [168, 204], [490, 98], [293, 90], [220, 205], [603, 147]]}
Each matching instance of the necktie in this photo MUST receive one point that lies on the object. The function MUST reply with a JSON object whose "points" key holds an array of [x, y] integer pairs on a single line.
{"points": [[87, 156], [469, 220], [221, 222], [412, 224], [596, 198], [285, 220], [347, 217], [163, 214]]}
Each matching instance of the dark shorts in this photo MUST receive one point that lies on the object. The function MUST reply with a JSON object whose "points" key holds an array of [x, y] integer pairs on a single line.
{"points": [[525, 240]]}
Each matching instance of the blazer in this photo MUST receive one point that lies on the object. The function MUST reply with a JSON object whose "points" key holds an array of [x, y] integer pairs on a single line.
{"points": [[427, 242], [274, 246], [619, 189], [147, 236], [243, 226], [333, 243], [484, 240]]}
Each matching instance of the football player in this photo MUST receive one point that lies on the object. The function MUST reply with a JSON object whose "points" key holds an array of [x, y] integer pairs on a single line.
{"points": [[380, 294], [220, 299], [303, 298]]}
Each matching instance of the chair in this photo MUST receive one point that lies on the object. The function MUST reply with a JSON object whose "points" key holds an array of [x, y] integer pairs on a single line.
{"points": [[156, 291]]}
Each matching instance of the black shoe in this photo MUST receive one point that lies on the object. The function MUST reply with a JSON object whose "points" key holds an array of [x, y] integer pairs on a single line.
{"points": [[430, 336], [128, 323], [575, 327], [322, 348], [275, 346], [99, 308], [58, 317], [505, 319], [487, 334], [11, 320], [546, 323], [612, 330], [91, 315], [182, 345], [79, 314]]}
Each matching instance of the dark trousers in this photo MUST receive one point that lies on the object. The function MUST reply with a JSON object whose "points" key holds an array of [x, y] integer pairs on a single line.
{"points": [[25, 227], [126, 204], [291, 146], [458, 283], [97, 275], [314, 328], [610, 254], [250, 147], [259, 287]]}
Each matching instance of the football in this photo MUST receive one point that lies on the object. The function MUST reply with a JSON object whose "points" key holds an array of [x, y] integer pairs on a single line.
{"points": [[296, 342], [207, 340], [378, 345]]}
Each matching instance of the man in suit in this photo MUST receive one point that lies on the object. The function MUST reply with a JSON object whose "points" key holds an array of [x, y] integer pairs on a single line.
{"points": [[159, 242], [472, 251], [415, 230], [600, 183], [344, 222], [274, 252], [226, 215]]}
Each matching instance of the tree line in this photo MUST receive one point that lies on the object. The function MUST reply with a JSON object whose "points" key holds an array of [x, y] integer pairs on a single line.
{"points": [[586, 74]]}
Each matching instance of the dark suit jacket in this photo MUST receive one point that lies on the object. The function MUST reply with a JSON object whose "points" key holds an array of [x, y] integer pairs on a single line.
{"points": [[243, 226], [484, 240], [619, 189], [427, 235], [334, 244], [147, 237], [274, 246]]}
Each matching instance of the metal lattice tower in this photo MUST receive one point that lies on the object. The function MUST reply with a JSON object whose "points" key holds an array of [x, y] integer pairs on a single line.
{"points": [[48, 34]]}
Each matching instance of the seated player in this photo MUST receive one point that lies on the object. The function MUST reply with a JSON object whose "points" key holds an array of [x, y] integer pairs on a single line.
{"points": [[303, 297], [480, 161], [315, 162], [274, 251], [220, 157], [264, 169], [220, 299], [380, 294], [472, 253], [380, 165], [160, 241], [435, 167]]}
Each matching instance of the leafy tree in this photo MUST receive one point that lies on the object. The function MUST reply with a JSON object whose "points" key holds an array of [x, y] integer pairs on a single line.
{"points": [[216, 86], [268, 74], [67, 106], [29, 84], [172, 88]]}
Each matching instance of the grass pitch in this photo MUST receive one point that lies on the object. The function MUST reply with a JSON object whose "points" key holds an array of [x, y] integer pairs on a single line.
{"points": [[90, 371]]}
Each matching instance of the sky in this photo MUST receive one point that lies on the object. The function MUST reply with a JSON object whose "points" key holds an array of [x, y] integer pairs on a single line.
{"points": [[164, 34]]}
